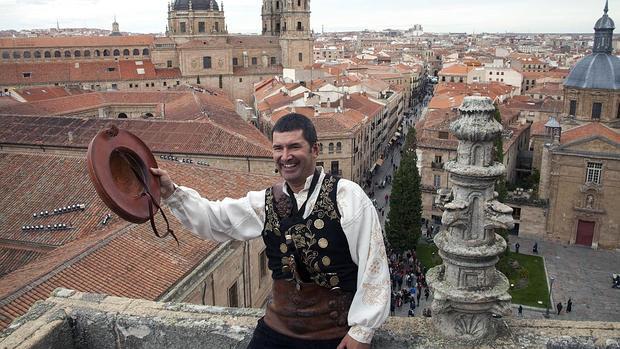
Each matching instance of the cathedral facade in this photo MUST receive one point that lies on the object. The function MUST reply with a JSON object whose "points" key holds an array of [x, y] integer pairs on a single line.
{"points": [[197, 49]]}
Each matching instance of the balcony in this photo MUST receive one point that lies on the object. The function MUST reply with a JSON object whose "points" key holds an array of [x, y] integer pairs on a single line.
{"points": [[437, 165]]}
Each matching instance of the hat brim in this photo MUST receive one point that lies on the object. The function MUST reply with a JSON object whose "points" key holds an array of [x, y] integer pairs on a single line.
{"points": [[115, 159]]}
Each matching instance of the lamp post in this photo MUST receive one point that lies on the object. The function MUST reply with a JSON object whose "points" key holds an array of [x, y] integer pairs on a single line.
{"points": [[551, 280]]}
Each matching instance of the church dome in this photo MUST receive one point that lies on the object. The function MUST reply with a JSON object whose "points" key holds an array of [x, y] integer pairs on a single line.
{"points": [[595, 71], [605, 22], [183, 5]]}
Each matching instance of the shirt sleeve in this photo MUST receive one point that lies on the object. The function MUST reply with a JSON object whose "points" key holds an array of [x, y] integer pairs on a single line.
{"points": [[361, 225], [228, 219]]}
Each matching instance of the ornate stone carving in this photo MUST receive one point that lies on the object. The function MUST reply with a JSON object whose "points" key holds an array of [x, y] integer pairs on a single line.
{"points": [[469, 291]]}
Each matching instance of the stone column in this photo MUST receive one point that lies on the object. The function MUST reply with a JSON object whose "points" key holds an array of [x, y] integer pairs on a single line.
{"points": [[469, 293]]}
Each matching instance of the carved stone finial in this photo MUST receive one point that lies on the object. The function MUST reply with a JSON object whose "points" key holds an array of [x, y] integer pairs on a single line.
{"points": [[469, 291], [606, 6]]}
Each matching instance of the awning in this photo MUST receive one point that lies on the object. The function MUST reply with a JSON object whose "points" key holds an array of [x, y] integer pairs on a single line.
{"points": [[397, 134], [394, 138]]}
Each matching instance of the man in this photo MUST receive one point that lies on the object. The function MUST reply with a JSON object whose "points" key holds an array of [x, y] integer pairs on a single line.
{"points": [[323, 240], [559, 307], [517, 245]]}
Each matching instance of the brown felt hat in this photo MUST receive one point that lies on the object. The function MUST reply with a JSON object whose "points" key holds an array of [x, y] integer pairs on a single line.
{"points": [[119, 166]]}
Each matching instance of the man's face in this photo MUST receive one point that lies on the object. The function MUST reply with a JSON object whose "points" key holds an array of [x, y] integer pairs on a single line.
{"points": [[295, 159]]}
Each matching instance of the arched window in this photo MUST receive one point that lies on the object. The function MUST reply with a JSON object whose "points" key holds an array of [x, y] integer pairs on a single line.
{"points": [[277, 5], [320, 148], [106, 53], [17, 55], [217, 27], [338, 147], [97, 53], [136, 52], [331, 148], [48, 54], [126, 52], [117, 53], [27, 54], [37, 54], [77, 53], [122, 116], [299, 3], [87, 53], [57, 54], [145, 52], [6, 55], [67, 54], [299, 28], [148, 115]]}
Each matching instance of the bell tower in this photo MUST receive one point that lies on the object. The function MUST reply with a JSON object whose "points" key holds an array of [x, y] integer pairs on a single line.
{"points": [[290, 21]]}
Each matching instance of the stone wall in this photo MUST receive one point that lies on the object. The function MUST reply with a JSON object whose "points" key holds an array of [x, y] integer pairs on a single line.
{"points": [[70, 319]]}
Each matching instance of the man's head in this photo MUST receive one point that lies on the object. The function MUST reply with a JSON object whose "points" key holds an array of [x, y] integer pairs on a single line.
{"points": [[295, 149]]}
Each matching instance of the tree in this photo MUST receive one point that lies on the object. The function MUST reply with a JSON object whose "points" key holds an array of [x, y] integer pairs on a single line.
{"points": [[404, 224]]}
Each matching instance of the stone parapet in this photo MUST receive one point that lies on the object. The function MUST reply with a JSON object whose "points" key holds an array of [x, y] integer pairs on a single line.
{"points": [[70, 319]]}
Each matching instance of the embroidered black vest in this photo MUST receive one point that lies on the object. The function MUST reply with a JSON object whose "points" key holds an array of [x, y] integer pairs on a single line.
{"points": [[320, 248]]}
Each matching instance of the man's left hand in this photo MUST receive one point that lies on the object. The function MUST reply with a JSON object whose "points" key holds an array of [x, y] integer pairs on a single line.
{"points": [[350, 343]]}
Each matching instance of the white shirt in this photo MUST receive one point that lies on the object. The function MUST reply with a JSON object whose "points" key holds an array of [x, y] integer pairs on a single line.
{"points": [[244, 219]]}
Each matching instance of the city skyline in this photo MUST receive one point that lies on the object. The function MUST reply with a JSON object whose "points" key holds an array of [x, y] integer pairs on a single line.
{"points": [[243, 16]]}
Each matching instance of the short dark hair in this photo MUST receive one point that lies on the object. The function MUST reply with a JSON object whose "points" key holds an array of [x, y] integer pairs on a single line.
{"points": [[293, 122]]}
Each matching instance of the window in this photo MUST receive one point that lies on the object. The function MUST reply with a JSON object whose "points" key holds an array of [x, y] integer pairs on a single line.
{"points": [[299, 26], [338, 147], [593, 174], [136, 52], [235, 61], [26, 75], [596, 110], [126, 52], [437, 181], [254, 61], [111, 69], [27, 54], [221, 81], [217, 27], [277, 5], [618, 112], [206, 62], [444, 135], [77, 53], [262, 259], [145, 52], [335, 168], [273, 61], [87, 53], [106, 53], [331, 148], [57, 54], [233, 296], [301, 57], [6, 55], [320, 148], [117, 53], [201, 27], [37, 54], [516, 212], [182, 27], [16, 55], [438, 159], [169, 64]]}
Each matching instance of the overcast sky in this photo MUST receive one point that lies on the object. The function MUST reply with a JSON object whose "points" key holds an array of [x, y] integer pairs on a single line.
{"points": [[243, 16]]}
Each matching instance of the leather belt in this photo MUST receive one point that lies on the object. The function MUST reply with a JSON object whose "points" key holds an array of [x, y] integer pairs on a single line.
{"points": [[310, 312]]}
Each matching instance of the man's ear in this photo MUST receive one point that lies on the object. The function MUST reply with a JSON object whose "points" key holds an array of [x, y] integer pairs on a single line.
{"points": [[315, 149]]}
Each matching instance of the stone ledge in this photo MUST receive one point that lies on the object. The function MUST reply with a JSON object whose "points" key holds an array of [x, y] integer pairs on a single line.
{"points": [[70, 319]]}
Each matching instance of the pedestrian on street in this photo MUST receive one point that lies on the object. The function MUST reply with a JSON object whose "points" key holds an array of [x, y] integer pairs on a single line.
{"points": [[520, 310], [559, 307], [426, 294], [535, 248], [569, 305], [517, 245], [418, 296]]}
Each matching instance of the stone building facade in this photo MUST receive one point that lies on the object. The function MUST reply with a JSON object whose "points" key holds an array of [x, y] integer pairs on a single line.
{"points": [[196, 50]]}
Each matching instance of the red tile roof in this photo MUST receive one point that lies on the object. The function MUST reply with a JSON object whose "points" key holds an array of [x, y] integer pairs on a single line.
{"points": [[119, 258], [77, 41], [224, 135], [362, 104], [62, 72], [589, 130]]}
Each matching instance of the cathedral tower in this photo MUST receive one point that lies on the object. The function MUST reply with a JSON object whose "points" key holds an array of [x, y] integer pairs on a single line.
{"points": [[290, 21], [189, 19]]}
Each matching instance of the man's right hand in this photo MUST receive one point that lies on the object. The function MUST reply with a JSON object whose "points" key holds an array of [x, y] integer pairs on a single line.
{"points": [[166, 186]]}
